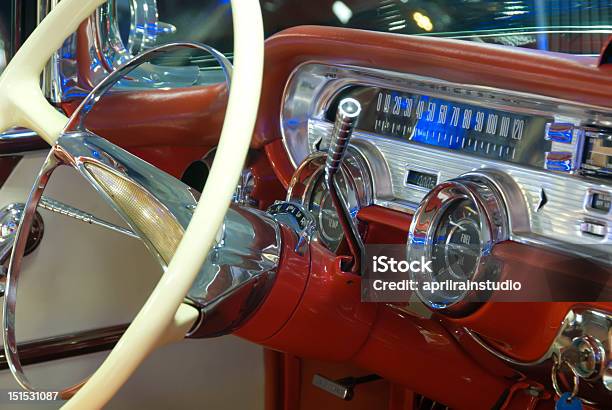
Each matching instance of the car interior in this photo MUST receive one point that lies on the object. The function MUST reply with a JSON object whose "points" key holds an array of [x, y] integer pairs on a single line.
{"points": [[305, 205]]}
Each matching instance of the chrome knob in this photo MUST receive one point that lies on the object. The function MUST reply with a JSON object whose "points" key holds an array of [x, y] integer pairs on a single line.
{"points": [[346, 119], [587, 356]]}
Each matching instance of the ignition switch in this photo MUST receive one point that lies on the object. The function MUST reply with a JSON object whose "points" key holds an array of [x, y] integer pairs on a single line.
{"points": [[587, 356]]}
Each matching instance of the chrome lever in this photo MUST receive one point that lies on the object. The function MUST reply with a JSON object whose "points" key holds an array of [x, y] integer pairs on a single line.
{"points": [[346, 119], [61, 208]]}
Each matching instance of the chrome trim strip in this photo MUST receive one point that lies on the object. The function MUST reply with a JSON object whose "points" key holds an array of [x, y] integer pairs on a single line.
{"points": [[17, 134], [556, 225], [312, 86], [50, 80], [502, 356], [65, 346]]}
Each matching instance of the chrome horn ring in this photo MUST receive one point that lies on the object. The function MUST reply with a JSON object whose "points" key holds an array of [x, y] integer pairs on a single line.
{"points": [[89, 155]]}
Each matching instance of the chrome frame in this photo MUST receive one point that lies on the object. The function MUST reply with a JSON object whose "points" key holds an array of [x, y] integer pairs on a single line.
{"points": [[493, 227]]}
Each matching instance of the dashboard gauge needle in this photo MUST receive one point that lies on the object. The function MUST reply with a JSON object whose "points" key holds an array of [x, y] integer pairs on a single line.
{"points": [[456, 225]]}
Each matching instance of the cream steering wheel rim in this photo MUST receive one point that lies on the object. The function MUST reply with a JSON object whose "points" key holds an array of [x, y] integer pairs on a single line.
{"points": [[163, 318]]}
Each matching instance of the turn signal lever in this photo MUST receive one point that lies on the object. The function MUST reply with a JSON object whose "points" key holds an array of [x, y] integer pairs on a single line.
{"points": [[346, 118]]}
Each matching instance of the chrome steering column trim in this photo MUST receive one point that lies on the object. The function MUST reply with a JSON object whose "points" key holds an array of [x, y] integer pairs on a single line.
{"points": [[67, 345]]}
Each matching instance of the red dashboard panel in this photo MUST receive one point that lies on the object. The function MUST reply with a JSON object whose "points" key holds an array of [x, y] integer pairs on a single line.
{"points": [[563, 76]]}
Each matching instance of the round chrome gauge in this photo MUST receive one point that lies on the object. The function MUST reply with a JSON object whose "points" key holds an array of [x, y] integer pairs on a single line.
{"points": [[308, 188], [456, 227]]}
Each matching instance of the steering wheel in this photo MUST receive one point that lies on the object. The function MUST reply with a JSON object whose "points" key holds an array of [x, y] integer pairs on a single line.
{"points": [[164, 317]]}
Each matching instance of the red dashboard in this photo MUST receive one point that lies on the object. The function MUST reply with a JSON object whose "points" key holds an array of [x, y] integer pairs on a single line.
{"points": [[481, 360]]}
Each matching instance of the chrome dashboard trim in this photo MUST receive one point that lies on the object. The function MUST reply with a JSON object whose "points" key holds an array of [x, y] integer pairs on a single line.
{"points": [[482, 343], [557, 225], [578, 322], [312, 86]]}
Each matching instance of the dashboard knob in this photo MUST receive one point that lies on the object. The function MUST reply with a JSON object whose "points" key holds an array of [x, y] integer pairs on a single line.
{"points": [[346, 119], [587, 356]]}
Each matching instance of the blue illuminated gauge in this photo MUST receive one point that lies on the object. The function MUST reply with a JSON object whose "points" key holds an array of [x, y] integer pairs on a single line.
{"points": [[456, 227], [460, 126]]}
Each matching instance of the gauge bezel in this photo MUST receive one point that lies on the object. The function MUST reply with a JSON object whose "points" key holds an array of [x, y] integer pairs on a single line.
{"points": [[493, 228], [355, 172]]}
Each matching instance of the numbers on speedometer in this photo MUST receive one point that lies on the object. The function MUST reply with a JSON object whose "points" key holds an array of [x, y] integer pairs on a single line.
{"points": [[471, 128]]}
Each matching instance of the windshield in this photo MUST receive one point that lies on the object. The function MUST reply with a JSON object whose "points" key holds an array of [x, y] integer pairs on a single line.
{"points": [[568, 26]]}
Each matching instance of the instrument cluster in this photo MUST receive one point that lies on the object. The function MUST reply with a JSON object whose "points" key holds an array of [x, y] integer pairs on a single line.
{"points": [[475, 166], [551, 159]]}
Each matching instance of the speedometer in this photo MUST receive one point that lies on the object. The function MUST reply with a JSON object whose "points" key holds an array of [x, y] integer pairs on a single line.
{"points": [[458, 126]]}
